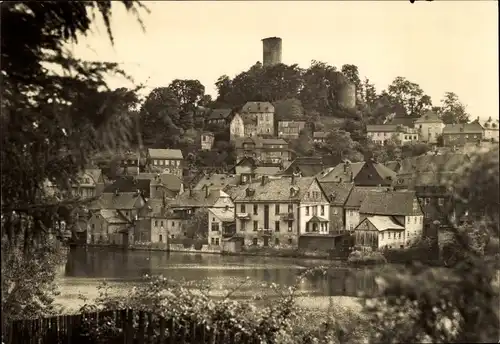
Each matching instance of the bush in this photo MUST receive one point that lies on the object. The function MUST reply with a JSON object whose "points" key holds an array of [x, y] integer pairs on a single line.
{"points": [[358, 258]]}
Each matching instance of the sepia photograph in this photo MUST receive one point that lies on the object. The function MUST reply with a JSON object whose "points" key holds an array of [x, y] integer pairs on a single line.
{"points": [[254, 172]]}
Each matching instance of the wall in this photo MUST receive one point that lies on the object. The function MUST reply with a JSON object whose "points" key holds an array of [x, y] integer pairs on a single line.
{"points": [[207, 141], [271, 51], [413, 228], [284, 234], [265, 123], [236, 128], [380, 137], [391, 239], [460, 139], [336, 218], [429, 132], [318, 243], [159, 227], [351, 218]]}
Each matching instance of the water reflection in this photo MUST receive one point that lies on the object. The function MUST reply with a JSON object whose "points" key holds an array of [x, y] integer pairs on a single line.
{"points": [[125, 266]]}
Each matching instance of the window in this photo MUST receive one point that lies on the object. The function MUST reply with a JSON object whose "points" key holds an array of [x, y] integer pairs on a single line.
{"points": [[415, 205], [322, 210], [420, 219], [408, 219], [415, 219], [173, 224], [161, 238], [217, 241], [399, 235], [255, 209], [276, 226], [307, 211], [335, 211], [212, 241], [315, 210], [388, 235], [382, 236], [156, 223], [277, 209], [290, 223], [308, 195], [441, 201], [255, 226], [242, 208], [290, 208], [93, 226], [161, 223], [243, 225], [215, 226]]}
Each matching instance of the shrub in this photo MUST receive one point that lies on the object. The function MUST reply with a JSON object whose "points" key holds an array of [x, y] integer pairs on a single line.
{"points": [[358, 258]]}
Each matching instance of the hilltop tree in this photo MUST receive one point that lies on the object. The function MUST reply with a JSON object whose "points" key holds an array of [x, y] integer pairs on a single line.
{"points": [[160, 118], [451, 110], [51, 120], [289, 109], [409, 95]]}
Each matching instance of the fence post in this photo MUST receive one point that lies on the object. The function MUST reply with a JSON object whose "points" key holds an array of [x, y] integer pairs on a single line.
{"points": [[130, 326], [171, 331], [140, 334], [150, 327], [163, 324]]}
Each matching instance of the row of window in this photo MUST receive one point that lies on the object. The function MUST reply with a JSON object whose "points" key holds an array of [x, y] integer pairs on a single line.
{"points": [[166, 162], [277, 225], [277, 208], [314, 210], [316, 227], [161, 223]]}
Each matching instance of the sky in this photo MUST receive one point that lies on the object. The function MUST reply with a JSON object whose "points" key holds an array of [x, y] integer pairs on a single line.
{"points": [[441, 45]]}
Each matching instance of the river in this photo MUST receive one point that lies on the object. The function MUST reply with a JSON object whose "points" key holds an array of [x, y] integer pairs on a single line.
{"points": [[85, 270]]}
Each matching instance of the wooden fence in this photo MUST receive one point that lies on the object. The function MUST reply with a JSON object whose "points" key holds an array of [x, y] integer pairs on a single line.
{"points": [[121, 326]]}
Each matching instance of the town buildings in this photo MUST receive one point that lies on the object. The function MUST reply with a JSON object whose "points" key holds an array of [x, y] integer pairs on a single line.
{"points": [[383, 133], [276, 211], [430, 127], [258, 119], [221, 225], [460, 134], [165, 161], [389, 219], [220, 117], [265, 150], [290, 129], [304, 167], [364, 173]]}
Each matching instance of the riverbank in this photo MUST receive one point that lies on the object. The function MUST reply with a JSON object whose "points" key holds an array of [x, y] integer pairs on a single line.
{"points": [[246, 251]]}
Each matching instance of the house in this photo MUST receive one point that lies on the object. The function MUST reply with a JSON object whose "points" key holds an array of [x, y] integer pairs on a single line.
{"points": [[490, 127], [89, 183], [427, 174], [353, 203], [391, 219], [460, 134], [165, 161], [221, 225], [129, 184], [193, 200], [265, 150], [337, 195], [249, 168], [402, 119], [381, 133], [122, 210], [430, 127], [320, 136], [275, 211], [305, 166], [216, 181], [260, 115], [237, 128], [290, 129], [163, 185], [129, 163], [152, 227], [365, 173], [219, 116], [207, 140]]}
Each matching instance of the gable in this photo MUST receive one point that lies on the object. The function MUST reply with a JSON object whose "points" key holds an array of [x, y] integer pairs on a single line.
{"points": [[369, 176], [365, 225], [314, 188]]}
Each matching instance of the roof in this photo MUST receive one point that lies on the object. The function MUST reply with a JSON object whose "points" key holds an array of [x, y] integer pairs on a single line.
{"points": [[259, 142], [307, 166], [391, 203], [337, 193], [216, 181], [170, 181], [124, 200], [291, 123], [256, 107], [266, 170], [129, 184], [320, 134], [275, 189], [155, 153], [316, 218], [225, 215], [466, 128], [112, 216], [429, 117], [393, 165], [358, 194], [197, 198], [219, 114], [490, 124], [337, 173], [407, 121], [94, 175], [383, 223], [378, 128]]}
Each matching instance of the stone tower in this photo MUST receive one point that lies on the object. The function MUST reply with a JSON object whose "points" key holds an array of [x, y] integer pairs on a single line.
{"points": [[271, 51]]}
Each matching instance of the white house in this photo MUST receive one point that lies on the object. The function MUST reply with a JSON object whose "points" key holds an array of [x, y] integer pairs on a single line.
{"points": [[490, 127], [219, 224], [430, 126]]}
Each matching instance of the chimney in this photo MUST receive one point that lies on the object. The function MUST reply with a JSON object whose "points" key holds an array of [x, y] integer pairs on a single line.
{"points": [[190, 191], [292, 181], [117, 192], [207, 191]]}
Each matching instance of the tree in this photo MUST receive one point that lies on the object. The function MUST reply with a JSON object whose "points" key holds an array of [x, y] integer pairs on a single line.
{"points": [[303, 145], [288, 109], [160, 118], [197, 226], [369, 94], [340, 145], [410, 96], [189, 94], [452, 111], [51, 120]]}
